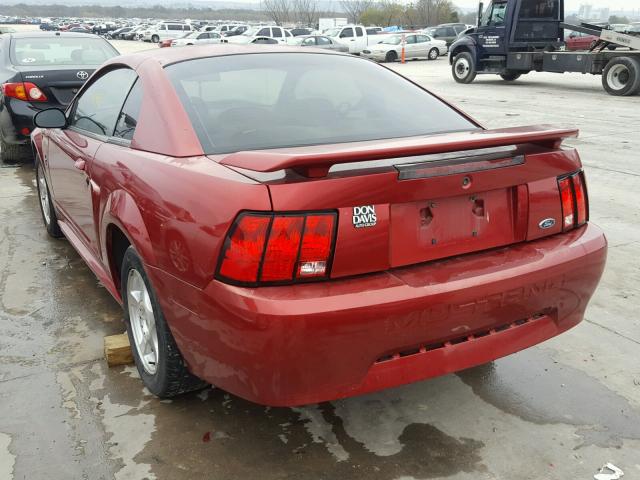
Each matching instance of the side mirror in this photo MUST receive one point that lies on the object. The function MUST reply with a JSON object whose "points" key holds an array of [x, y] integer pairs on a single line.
{"points": [[50, 118]]}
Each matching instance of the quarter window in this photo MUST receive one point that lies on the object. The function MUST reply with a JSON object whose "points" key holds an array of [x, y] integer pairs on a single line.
{"points": [[97, 109], [128, 119], [264, 32]]}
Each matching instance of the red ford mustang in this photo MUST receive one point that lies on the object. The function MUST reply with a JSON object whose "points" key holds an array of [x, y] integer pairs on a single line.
{"points": [[295, 227]]}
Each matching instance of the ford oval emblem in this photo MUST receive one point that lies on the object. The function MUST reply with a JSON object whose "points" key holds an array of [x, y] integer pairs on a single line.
{"points": [[547, 223]]}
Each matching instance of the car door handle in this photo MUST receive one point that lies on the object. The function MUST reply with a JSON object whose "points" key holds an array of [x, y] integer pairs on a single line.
{"points": [[79, 164]]}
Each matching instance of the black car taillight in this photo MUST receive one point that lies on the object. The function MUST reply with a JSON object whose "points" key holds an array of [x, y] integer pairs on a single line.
{"points": [[575, 205], [28, 92], [277, 248]]}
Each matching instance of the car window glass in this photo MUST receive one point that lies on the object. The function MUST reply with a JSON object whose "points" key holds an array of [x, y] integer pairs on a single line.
{"points": [[256, 101], [451, 32], [347, 33], [538, 9], [323, 41], [175, 27], [309, 41], [203, 36], [287, 34], [422, 38], [162, 27], [97, 109], [128, 119], [410, 39], [263, 32], [41, 51], [359, 31], [277, 33], [497, 14]]}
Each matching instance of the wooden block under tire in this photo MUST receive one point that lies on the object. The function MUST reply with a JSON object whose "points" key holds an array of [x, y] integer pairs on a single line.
{"points": [[117, 350]]}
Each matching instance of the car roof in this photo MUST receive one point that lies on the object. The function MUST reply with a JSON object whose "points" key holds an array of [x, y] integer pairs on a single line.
{"points": [[167, 56]]}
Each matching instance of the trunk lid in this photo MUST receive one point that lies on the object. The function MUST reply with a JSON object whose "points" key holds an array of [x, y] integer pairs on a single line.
{"points": [[408, 201], [60, 86]]}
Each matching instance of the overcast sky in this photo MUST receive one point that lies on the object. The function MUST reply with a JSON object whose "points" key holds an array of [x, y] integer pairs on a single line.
{"points": [[572, 4]]}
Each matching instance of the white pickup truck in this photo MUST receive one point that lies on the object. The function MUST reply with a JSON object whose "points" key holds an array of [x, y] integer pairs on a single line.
{"points": [[354, 36]]}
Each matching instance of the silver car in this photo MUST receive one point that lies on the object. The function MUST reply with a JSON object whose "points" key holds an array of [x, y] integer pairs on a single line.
{"points": [[320, 41], [197, 38], [417, 45]]}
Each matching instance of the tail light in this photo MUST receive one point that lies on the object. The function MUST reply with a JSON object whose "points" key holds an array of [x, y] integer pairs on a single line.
{"points": [[264, 248], [27, 91], [573, 195]]}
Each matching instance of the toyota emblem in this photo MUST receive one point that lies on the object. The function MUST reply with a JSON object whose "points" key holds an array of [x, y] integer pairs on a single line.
{"points": [[82, 75]]}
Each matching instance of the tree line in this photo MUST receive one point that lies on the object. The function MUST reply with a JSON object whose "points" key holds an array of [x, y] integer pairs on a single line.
{"points": [[303, 12], [368, 12]]}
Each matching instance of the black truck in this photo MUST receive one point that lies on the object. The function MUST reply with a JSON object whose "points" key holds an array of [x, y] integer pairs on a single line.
{"points": [[515, 37]]}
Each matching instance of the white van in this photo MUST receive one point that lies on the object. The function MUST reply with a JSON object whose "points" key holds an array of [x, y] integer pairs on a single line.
{"points": [[166, 30]]}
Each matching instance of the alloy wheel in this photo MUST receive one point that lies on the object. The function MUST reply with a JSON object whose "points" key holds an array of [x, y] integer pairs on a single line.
{"points": [[143, 321]]}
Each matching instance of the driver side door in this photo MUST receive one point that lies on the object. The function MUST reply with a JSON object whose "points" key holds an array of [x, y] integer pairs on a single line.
{"points": [[91, 120], [492, 30]]}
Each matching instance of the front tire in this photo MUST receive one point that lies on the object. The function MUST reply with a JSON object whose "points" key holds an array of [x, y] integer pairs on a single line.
{"points": [[463, 68], [391, 56], [49, 217], [621, 76], [155, 39], [158, 360], [434, 53]]}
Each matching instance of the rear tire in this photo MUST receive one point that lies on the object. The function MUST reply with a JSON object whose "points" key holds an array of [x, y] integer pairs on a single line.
{"points": [[158, 360], [12, 154], [434, 53], [49, 217], [621, 76], [155, 39], [391, 57], [463, 68], [510, 75]]}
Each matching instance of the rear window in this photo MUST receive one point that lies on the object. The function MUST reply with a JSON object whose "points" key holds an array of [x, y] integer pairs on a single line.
{"points": [[60, 51], [539, 9], [276, 100]]}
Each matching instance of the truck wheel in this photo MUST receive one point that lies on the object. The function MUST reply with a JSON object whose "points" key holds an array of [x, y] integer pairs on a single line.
{"points": [[463, 68], [510, 75], [434, 53], [155, 39], [391, 56], [621, 76], [157, 358]]}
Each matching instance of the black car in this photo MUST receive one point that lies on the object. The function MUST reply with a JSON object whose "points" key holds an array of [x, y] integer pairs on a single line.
{"points": [[40, 70], [299, 32]]}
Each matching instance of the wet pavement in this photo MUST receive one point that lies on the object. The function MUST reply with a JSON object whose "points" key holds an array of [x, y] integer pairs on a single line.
{"points": [[556, 411]]}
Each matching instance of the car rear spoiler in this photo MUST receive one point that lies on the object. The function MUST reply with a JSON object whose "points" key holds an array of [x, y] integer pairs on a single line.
{"points": [[316, 161]]}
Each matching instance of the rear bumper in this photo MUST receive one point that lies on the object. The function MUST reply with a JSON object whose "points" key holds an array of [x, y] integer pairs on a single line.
{"points": [[309, 343]]}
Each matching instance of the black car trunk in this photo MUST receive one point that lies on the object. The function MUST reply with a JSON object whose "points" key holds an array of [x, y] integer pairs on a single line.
{"points": [[59, 86]]}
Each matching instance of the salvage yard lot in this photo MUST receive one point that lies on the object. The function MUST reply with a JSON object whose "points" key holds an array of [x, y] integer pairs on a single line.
{"points": [[556, 411]]}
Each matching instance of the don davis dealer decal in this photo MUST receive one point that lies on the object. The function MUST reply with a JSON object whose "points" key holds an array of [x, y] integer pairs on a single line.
{"points": [[364, 216]]}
